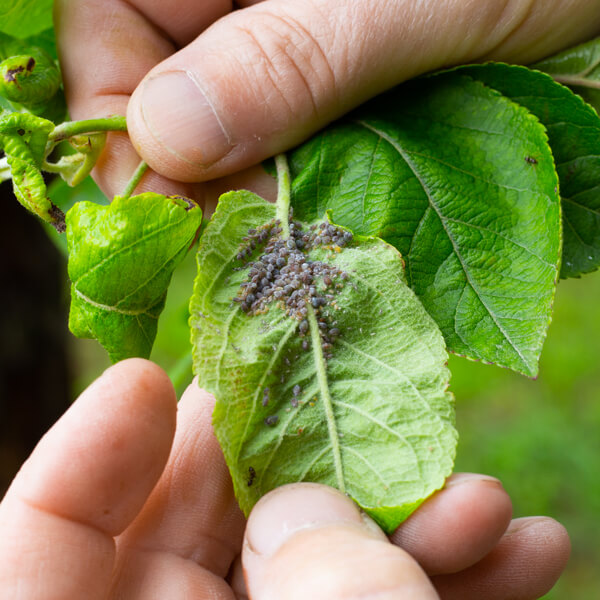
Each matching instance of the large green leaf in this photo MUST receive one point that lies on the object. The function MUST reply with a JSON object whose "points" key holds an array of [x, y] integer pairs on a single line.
{"points": [[443, 169], [373, 418], [121, 258], [579, 68], [23, 18], [574, 133]]}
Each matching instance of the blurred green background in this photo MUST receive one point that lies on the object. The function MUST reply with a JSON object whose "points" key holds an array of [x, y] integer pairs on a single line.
{"points": [[541, 438]]}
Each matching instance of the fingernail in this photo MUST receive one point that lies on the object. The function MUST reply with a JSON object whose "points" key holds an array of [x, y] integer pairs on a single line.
{"points": [[180, 117], [293, 508], [523, 523], [460, 478]]}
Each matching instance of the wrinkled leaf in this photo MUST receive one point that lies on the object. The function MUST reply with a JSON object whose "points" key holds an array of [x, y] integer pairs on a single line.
{"points": [[579, 68], [23, 138], [574, 134], [374, 419], [121, 258], [30, 78], [440, 169]]}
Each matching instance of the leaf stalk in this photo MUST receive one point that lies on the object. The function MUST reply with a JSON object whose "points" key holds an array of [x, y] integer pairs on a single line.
{"points": [[283, 194]]}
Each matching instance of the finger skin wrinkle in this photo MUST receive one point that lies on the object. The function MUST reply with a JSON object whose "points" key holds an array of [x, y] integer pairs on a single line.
{"points": [[532, 29], [158, 29], [183, 23], [293, 59]]}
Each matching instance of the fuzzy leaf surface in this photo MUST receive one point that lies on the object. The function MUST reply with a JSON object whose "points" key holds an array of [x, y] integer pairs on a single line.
{"points": [[574, 134], [121, 258], [438, 168], [374, 420]]}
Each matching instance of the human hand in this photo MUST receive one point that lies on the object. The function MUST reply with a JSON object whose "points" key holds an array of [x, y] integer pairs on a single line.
{"points": [[222, 90], [128, 497]]}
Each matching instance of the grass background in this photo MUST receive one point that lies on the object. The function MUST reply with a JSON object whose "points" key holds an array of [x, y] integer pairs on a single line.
{"points": [[540, 437]]}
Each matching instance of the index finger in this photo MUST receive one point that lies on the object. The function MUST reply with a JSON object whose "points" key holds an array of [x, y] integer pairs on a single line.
{"points": [[84, 483]]}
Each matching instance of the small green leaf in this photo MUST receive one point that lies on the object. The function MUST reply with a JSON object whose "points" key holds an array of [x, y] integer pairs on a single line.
{"points": [[23, 138], [30, 78], [366, 411], [574, 134], [121, 258], [439, 168], [579, 68], [23, 18]]}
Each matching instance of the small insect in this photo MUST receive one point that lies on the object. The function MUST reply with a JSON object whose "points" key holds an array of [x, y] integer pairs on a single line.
{"points": [[531, 160], [251, 475], [265, 399], [271, 420]]}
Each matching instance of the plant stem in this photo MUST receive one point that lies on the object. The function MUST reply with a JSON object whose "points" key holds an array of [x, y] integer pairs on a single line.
{"points": [[135, 179], [283, 193], [577, 81], [69, 128]]}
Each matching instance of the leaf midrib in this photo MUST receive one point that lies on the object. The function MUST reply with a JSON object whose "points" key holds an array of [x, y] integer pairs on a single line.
{"points": [[321, 369]]}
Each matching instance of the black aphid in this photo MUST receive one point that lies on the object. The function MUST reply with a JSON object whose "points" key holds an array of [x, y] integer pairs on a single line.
{"points": [[272, 420], [251, 475]]}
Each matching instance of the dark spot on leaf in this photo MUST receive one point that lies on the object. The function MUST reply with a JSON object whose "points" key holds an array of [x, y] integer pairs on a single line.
{"points": [[21, 131], [11, 74], [531, 160], [30, 64], [57, 219], [251, 475], [190, 203]]}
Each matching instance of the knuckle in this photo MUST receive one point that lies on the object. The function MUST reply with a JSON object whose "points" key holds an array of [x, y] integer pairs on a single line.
{"points": [[291, 63]]}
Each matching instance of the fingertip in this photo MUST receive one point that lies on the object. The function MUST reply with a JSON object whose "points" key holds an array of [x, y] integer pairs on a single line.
{"points": [[525, 564], [457, 526], [310, 541], [98, 464]]}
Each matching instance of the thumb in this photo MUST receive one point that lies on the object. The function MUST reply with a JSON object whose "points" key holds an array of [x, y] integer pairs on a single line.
{"points": [[262, 79], [310, 541]]}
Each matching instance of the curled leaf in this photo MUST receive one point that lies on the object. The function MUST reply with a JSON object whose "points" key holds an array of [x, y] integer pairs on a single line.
{"points": [[31, 78], [74, 168], [23, 138], [329, 370], [121, 258]]}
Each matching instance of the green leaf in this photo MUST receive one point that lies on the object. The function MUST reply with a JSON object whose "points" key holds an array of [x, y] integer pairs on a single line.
{"points": [[23, 18], [23, 138], [439, 168], [121, 258], [30, 77], [579, 68], [370, 414], [574, 134]]}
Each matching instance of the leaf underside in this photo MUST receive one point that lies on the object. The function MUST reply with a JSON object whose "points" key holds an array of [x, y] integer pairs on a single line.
{"points": [[443, 168], [121, 258], [374, 419]]}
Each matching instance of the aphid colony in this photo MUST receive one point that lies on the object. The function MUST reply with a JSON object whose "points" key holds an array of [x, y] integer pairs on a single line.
{"points": [[283, 273]]}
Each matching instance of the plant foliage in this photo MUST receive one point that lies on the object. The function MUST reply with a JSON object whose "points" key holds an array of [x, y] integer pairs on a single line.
{"points": [[438, 216]]}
